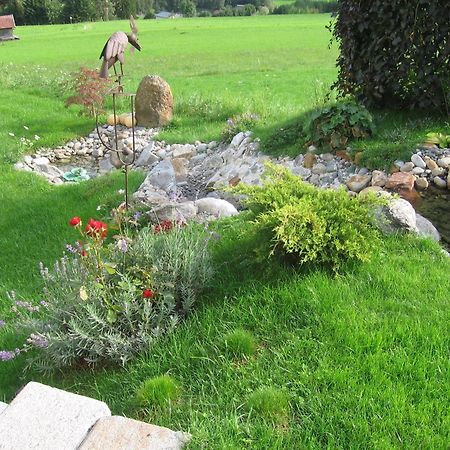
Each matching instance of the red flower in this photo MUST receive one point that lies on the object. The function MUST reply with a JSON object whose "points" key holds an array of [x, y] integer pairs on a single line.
{"points": [[96, 229], [83, 253], [165, 225], [74, 221], [148, 293]]}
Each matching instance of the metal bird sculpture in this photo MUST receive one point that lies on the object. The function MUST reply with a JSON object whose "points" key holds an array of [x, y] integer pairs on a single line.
{"points": [[114, 49]]}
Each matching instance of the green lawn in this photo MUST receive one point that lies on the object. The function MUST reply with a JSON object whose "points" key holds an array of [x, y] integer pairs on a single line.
{"points": [[363, 357]]}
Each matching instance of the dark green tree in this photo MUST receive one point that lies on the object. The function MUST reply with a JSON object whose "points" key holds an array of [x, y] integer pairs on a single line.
{"points": [[125, 8], [394, 53]]}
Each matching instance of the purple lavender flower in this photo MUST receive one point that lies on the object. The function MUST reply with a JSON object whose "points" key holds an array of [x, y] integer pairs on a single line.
{"points": [[7, 355], [2, 323], [137, 215], [122, 245], [71, 249], [43, 303], [37, 341], [27, 305]]}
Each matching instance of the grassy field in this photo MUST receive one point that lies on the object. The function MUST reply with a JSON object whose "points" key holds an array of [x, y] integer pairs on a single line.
{"points": [[363, 357]]}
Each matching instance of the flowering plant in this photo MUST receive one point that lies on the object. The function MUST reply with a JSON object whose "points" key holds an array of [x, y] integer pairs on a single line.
{"points": [[107, 301]]}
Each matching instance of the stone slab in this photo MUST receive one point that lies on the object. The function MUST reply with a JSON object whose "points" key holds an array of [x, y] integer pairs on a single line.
{"points": [[46, 418], [120, 433], [3, 406]]}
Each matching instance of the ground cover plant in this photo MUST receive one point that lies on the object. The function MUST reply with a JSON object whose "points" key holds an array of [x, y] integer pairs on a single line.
{"points": [[361, 357]]}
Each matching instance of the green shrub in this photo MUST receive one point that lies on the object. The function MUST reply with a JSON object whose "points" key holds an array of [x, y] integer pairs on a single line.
{"points": [[240, 343], [106, 303], [334, 126], [311, 225], [158, 391], [269, 403]]}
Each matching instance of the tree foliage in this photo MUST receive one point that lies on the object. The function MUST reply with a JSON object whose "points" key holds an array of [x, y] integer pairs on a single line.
{"points": [[394, 53]]}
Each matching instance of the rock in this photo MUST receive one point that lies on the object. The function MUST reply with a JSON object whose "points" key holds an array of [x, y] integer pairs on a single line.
{"points": [[439, 171], [180, 165], [358, 156], [399, 163], [183, 151], [118, 159], [120, 433], [398, 215], [448, 180], [421, 184], [418, 171], [426, 228], [154, 102], [175, 211], [319, 169], [309, 160], [401, 180], [407, 167], [430, 163], [440, 182], [379, 178], [48, 170], [162, 176], [215, 207], [105, 165], [41, 161], [97, 153], [343, 154], [357, 183], [418, 161], [444, 162], [236, 141], [147, 157], [3, 406], [370, 189], [151, 196], [46, 418]]}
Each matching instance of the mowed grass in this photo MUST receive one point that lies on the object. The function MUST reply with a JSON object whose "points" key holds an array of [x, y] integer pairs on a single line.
{"points": [[363, 358]]}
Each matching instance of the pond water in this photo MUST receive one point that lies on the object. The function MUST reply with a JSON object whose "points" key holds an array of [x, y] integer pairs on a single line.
{"points": [[434, 204]]}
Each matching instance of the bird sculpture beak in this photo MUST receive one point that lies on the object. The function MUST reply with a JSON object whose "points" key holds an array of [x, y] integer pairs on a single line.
{"points": [[136, 45]]}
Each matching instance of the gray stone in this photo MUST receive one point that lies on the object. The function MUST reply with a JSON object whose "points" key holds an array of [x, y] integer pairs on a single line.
{"points": [[147, 157], [183, 151], [327, 157], [236, 141], [46, 418], [105, 165], [302, 172], [120, 433], [418, 171], [440, 182], [42, 160], [379, 178], [444, 162], [175, 211], [357, 183], [180, 166], [418, 161], [162, 176], [154, 102], [215, 207], [426, 228], [319, 169], [151, 196], [331, 166], [439, 171], [430, 163], [48, 170], [407, 167], [421, 184], [3, 406], [398, 163], [398, 215]]}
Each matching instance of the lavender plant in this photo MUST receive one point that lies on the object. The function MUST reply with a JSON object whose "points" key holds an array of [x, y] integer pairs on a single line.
{"points": [[107, 303]]}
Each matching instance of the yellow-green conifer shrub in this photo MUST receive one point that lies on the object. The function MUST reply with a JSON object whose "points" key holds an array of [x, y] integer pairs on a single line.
{"points": [[313, 225]]}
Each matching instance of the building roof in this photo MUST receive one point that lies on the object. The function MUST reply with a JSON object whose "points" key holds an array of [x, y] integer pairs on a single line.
{"points": [[7, 22]]}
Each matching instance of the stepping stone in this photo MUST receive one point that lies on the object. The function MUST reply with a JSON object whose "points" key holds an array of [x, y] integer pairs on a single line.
{"points": [[3, 406], [120, 433], [46, 418]]}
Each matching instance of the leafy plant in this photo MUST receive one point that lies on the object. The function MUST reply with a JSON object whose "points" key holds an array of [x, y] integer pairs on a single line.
{"points": [[90, 90], [336, 125], [237, 124], [309, 224], [240, 343], [389, 54], [105, 303], [439, 139], [158, 391]]}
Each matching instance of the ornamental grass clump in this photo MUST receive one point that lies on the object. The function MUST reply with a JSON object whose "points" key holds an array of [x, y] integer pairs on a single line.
{"points": [[240, 343], [158, 391], [307, 224], [105, 302]]}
